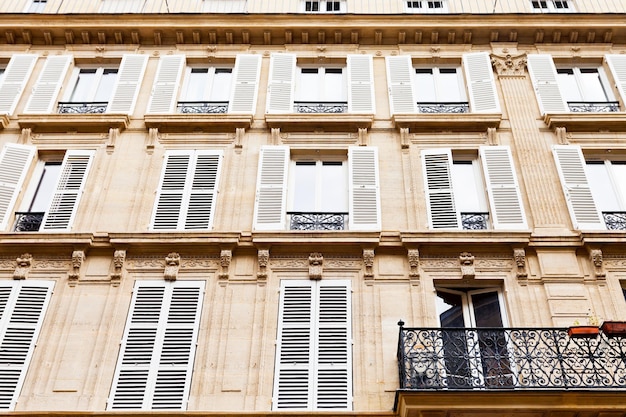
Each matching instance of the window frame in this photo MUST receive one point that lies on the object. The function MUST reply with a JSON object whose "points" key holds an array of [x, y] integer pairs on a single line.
{"points": [[438, 81], [100, 71], [323, 6], [577, 71], [36, 6], [551, 6], [321, 81], [424, 6]]}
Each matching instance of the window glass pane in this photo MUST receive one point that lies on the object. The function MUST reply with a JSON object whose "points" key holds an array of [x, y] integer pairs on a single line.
{"points": [[448, 88], [568, 85], [83, 87], [334, 87], [425, 85], [334, 187], [105, 87], [450, 309], [308, 85], [220, 87], [45, 187], [601, 188], [619, 179], [591, 85], [486, 309], [196, 85], [304, 187], [468, 188]]}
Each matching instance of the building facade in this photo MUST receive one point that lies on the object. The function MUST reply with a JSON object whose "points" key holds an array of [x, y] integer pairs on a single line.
{"points": [[382, 208]]}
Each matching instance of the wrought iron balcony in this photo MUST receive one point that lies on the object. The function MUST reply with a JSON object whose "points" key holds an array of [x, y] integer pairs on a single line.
{"points": [[507, 358], [442, 107], [317, 221], [615, 220], [202, 107], [82, 108], [593, 106], [28, 221], [321, 106], [474, 221]]}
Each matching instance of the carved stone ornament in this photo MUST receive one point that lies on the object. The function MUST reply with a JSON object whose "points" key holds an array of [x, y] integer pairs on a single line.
{"points": [[119, 256], [78, 257], [23, 266], [519, 255], [596, 258], [414, 263], [509, 65], [264, 258], [467, 265], [172, 263], [226, 256], [316, 261], [368, 261]]}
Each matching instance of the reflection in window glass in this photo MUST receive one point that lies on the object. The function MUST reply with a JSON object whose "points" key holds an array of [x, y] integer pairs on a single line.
{"points": [[45, 187]]}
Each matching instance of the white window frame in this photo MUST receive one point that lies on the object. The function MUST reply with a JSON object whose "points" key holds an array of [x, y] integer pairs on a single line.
{"points": [[426, 6], [99, 73], [552, 6], [36, 6], [604, 81], [121, 6], [436, 75], [321, 82], [210, 78], [322, 5]]}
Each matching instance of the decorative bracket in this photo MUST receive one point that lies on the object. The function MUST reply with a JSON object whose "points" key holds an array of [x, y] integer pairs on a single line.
{"points": [[363, 136], [172, 264], [596, 258], [275, 135], [264, 257], [23, 266], [404, 137], [114, 133], [78, 257], [316, 262], [119, 256], [519, 255], [414, 263], [561, 135], [467, 265], [239, 133], [226, 256], [368, 261], [152, 138], [25, 137]]}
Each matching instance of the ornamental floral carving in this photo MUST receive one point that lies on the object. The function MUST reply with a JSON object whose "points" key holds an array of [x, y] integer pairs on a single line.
{"points": [[509, 65], [172, 263], [23, 266], [316, 262]]}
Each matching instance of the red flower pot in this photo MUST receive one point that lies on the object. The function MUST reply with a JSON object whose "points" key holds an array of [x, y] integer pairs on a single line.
{"points": [[583, 331], [614, 328]]}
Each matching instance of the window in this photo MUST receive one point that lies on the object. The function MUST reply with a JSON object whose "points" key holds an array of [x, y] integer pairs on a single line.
{"points": [[91, 91], [586, 90], [324, 6], [314, 348], [454, 190], [424, 6], [23, 305], [224, 6], [36, 6], [187, 191], [440, 90], [206, 90], [321, 90], [121, 6], [552, 6], [158, 348], [322, 185]]}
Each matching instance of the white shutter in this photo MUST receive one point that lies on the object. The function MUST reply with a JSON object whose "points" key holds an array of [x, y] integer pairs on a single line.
{"points": [[544, 77], [364, 188], [481, 84], [16, 76], [507, 209], [166, 83], [442, 213], [69, 188], [281, 83], [617, 65], [126, 88], [361, 84], [400, 84], [157, 352], [14, 163], [46, 90], [245, 84], [271, 189], [570, 164], [187, 190], [23, 306]]}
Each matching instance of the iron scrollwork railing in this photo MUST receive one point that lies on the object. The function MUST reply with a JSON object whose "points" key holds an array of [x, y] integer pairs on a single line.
{"points": [[593, 106], [28, 222], [474, 221], [317, 221], [442, 107], [82, 107], [615, 220], [320, 106], [507, 358], [202, 107]]}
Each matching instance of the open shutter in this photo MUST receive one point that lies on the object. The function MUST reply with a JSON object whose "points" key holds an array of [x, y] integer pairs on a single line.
{"points": [[482, 90], [46, 90], [165, 89], [23, 306], [14, 163], [507, 210], [544, 77], [127, 84], [69, 189], [16, 76], [364, 188], [400, 84], [617, 65], [570, 164], [281, 83], [157, 352], [361, 84], [442, 213], [271, 189], [245, 84]]}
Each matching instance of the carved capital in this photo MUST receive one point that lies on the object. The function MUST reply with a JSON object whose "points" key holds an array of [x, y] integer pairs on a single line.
{"points": [[467, 265], [414, 263], [509, 65], [78, 257], [226, 256], [119, 256], [172, 264], [368, 261], [264, 258], [23, 266], [519, 255], [316, 262], [595, 255]]}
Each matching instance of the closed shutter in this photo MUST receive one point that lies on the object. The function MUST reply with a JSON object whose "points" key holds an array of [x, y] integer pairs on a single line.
{"points": [[46, 90], [127, 84], [271, 189], [14, 163], [544, 77], [505, 199], [245, 84], [570, 164], [364, 188], [23, 306], [281, 83], [617, 65], [157, 352], [361, 84], [442, 213], [187, 191], [16, 76], [482, 90], [68, 191], [400, 83], [165, 89]]}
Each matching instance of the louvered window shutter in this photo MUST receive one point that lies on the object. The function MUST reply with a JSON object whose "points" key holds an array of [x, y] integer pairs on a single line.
{"points": [[400, 83], [361, 84], [16, 76], [126, 88], [544, 77], [507, 209], [271, 190], [157, 352], [187, 191], [165, 88], [482, 90], [281, 83], [14, 163], [364, 188], [245, 84], [617, 65], [570, 164], [46, 90], [68, 191], [442, 213], [23, 306]]}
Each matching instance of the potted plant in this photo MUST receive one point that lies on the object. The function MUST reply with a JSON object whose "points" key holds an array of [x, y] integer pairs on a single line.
{"points": [[590, 330], [614, 328]]}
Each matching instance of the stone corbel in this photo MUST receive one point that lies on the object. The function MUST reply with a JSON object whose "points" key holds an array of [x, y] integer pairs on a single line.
{"points": [[596, 258], [363, 137], [78, 257], [152, 139], [404, 137], [114, 133], [316, 262], [172, 264], [414, 263], [561, 135], [492, 137], [22, 269], [509, 65], [119, 256], [239, 133], [368, 261], [226, 256], [25, 136], [467, 265], [519, 255], [275, 136], [264, 258]]}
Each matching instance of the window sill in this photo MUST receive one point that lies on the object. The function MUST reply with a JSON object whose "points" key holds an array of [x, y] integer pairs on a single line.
{"points": [[197, 122], [586, 122], [81, 123], [311, 121], [437, 122]]}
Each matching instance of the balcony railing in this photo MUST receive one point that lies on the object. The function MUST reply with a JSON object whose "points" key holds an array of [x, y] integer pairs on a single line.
{"points": [[317, 221], [202, 107], [593, 106], [475, 221], [507, 358], [615, 220], [28, 222], [320, 106], [82, 107], [443, 107]]}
